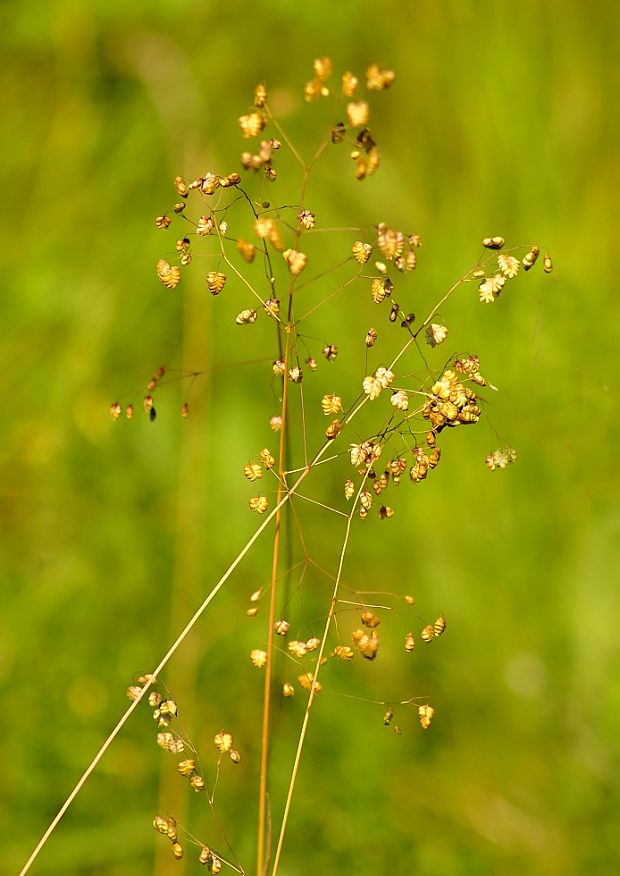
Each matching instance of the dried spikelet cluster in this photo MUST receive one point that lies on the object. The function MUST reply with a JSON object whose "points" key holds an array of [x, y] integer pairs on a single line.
{"points": [[261, 261], [164, 712]]}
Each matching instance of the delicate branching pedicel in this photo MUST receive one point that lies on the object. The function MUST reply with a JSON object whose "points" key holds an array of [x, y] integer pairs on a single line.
{"points": [[382, 429]]}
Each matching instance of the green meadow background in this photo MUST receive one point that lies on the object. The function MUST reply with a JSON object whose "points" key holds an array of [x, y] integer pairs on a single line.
{"points": [[502, 120]]}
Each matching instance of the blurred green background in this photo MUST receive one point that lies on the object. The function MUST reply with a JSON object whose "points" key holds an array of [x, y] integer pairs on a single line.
{"points": [[502, 120]]}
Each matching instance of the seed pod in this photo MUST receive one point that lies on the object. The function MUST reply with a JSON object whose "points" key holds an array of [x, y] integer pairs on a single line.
{"points": [[258, 658], [216, 865], [296, 374], [234, 755], [258, 504], [409, 600], [288, 690], [394, 311], [216, 281], [361, 252], [281, 627], [330, 352], [370, 619], [387, 718], [409, 642], [253, 471], [246, 317], [333, 430], [197, 783], [385, 512], [344, 652], [311, 363], [371, 337], [187, 767], [426, 715], [163, 221], [267, 458], [493, 242], [184, 409], [439, 625], [181, 186], [223, 741], [115, 410], [428, 633], [547, 264], [530, 258], [205, 856], [177, 850]]}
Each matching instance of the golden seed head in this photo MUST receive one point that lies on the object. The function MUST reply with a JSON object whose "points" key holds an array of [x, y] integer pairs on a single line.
{"points": [[258, 504], [115, 410], [223, 741], [380, 289], [547, 264], [181, 186], [426, 715], [184, 409], [252, 612], [361, 252], [365, 501], [387, 718], [210, 184], [234, 755], [252, 124], [170, 742], [409, 600], [385, 512], [311, 363], [491, 288], [307, 681], [155, 699], [133, 692], [306, 218], [501, 458], [428, 633], [168, 275], [216, 865], [197, 783], [315, 89], [147, 403], [384, 376], [493, 242], [333, 430], [344, 652], [295, 260], [349, 489], [372, 388], [331, 404], [312, 644], [129, 411], [530, 258], [330, 352], [296, 374], [367, 643], [409, 642], [160, 824], [177, 850], [215, 282], [370, 619], [439, 625], [187, 767], [508, 265], [260, 95], [247, 250], [297, 649], [378, 79], [253, 471], [255, 597], [267, 458], [288, 690], [205, 856], [272, 307], [357, 113], [371, 337], [322, 67], [349, 84], [281, 627], [390, 242], [258, 658], [400, 400], [246, 317], [205, 226], [435, 334], [162, 221]]}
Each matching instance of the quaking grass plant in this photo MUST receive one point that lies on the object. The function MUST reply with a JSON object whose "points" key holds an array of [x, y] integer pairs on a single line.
{"points": [[389, 426]]}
